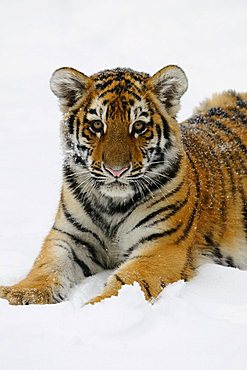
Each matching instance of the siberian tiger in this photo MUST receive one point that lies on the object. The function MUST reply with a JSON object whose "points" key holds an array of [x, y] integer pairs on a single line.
{"points": [[141, 194]]}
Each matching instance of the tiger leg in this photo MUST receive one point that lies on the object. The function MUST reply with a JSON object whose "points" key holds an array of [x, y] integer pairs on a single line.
{"points": [[55, 271], [153, 268]]}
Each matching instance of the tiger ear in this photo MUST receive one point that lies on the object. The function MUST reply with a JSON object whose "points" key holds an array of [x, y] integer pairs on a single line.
{"points": [[69, 85], [169, 84]]}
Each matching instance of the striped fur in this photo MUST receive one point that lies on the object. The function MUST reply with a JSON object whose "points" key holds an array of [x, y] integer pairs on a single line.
{"points": [[142, 194]]}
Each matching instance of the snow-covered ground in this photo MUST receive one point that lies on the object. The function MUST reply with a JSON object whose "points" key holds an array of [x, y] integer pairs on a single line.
{"points": [[193, 326]]}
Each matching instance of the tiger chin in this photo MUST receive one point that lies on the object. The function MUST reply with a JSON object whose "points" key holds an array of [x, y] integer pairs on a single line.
{"points": [[141, 194]]}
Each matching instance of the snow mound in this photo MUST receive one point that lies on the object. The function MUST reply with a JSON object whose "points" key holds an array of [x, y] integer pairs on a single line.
{"points": [[196, 325]]}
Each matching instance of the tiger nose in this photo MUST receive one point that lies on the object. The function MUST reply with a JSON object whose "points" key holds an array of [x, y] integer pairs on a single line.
{"points": [[116, 171]]}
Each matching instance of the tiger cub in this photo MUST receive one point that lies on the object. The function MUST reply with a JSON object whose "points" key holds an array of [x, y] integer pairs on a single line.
{"points": [[141, 194]]}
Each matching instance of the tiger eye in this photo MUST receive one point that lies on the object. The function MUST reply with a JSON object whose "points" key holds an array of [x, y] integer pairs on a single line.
{"points": [[96, 126], [139, 126]]}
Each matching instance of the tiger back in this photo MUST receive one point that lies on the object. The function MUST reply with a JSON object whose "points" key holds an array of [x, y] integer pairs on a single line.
{"points": [[216, 138]]}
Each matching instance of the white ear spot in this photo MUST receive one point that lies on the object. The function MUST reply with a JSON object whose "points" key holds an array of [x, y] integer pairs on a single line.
{"points": [[170, 83], [69, 85]]}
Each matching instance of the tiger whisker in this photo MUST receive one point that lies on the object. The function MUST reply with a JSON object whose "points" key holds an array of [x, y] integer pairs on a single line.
{"points": [[158, 173], [156, 182], [146, 179], [87, 187], [85, 180], [76, 174]]}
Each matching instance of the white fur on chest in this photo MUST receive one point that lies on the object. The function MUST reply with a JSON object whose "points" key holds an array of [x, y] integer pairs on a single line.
{"points": [[128, 235]]}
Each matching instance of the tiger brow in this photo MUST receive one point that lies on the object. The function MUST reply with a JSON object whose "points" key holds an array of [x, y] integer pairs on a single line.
{"points": [[144, 114], [93, 111]]}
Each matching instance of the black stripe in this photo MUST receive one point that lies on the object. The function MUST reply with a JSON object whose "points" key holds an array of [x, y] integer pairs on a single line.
{"points": [[85, 269], [70, 124], [75, 239], [85, 132], [85, 203], [215, 253], [70, 179], [103, 85], [139, 77], [118, 89], [188, 263], [195, 209], [222, 184], [78, 160], [127, 83], [220, 160], [78, 130], [231, 165], [78, 226], [92, 111], [229, 262], [162, 284], [71, 119], [217, 111], [82, 147], [158, 130], [136, 96], [144, 114], [72, 255], [152, 237], [61, 298], [229, 132], [166, 128], [123, 219], [167, 174], [119, 279], [114, 89], [166, 196], [145, 285], [112, 207], [242, 104], [69, 251], [83, 266], [237, 115], [173, 207], [107, 114], [120, 73], [214, 137], [131, 85], [84, 244], [179, 206], [160, 235], [94, 211], [216, 249]]}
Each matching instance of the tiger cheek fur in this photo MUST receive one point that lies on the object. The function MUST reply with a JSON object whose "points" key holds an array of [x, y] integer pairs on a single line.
{"points": [[141, 194]]}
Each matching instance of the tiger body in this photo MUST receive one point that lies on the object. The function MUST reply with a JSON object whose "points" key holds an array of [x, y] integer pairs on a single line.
{"points": [[142, 194]]}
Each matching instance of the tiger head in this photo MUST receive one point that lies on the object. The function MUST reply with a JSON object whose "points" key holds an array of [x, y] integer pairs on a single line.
{"points": [[119, 129]]}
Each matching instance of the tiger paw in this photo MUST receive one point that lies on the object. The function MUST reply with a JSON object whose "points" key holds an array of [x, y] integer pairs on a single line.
{"points": [[18, 295]]}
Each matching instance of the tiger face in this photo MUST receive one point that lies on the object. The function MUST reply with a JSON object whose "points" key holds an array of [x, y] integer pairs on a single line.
{"points": [[119, 129]]}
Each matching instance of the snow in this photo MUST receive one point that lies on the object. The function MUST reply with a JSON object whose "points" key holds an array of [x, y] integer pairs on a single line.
{"points": [[201, 324]]}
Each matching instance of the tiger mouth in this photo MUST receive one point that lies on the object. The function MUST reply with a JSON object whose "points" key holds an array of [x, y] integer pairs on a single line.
{"points": [[117, 184], [116, 189]]}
